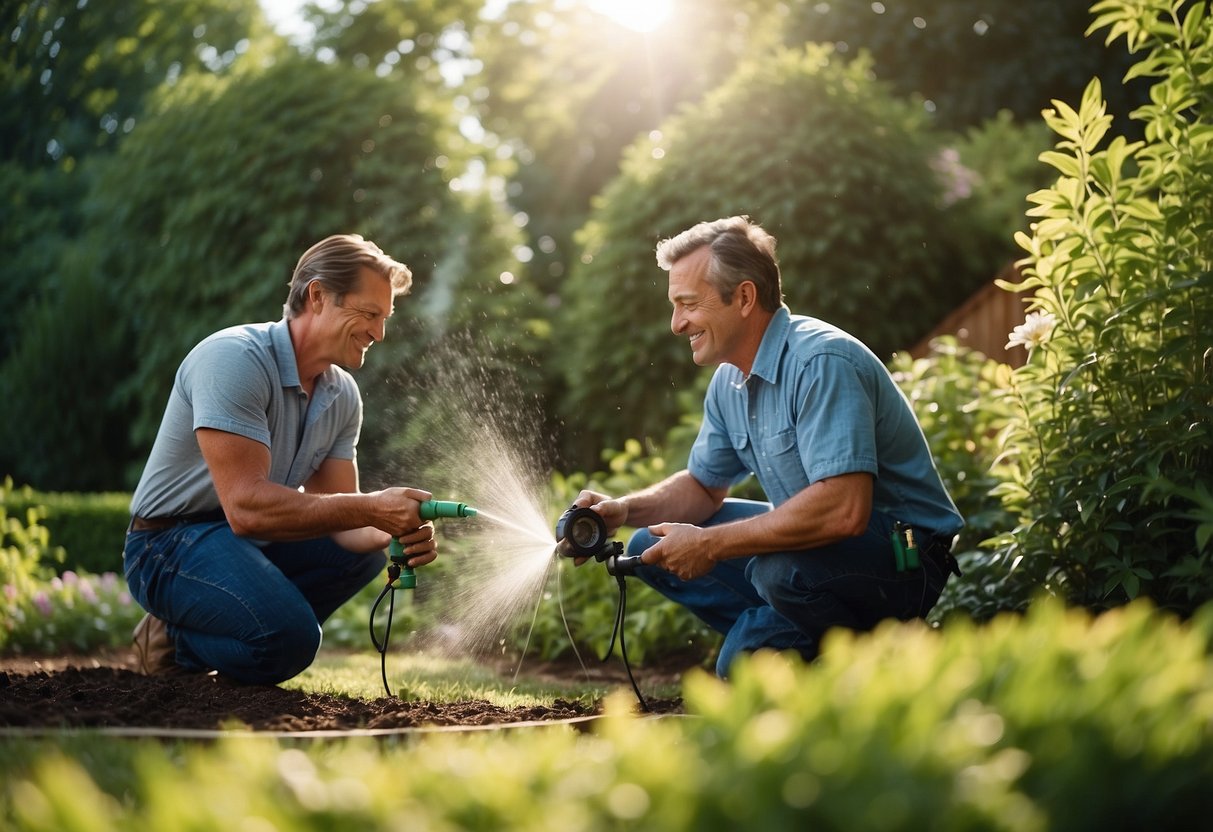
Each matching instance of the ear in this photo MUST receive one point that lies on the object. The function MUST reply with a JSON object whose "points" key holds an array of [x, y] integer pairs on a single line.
{"points": [[315, 296], [747, 296]]}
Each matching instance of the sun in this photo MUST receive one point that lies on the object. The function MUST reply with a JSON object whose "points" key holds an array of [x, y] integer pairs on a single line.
{"points": [[639, 15]]}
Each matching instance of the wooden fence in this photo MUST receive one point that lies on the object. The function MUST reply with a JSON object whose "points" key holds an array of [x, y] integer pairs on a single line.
{"points": [[984, 321]]}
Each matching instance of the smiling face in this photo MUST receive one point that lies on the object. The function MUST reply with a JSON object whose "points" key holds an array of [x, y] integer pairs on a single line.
{"points": [[717, 331], [359, 320]]}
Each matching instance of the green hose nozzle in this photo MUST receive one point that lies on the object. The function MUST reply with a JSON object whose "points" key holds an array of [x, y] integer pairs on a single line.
{"points": [[429, 510], [433, 509]]}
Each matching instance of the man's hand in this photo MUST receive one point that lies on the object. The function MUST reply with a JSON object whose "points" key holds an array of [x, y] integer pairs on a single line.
{"points": [[398, 509], [420, 545], [613, 512], [683, 550]]}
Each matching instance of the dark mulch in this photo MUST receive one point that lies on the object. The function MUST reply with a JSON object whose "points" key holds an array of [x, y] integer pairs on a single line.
{"points": [[108, 693]]}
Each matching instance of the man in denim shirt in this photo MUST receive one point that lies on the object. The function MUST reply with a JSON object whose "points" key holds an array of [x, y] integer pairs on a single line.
{"points": [[248, 527], [815, 416]]}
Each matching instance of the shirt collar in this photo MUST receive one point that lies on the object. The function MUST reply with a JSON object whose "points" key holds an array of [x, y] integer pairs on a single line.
{"points": [[284, 354], [766, 362]]}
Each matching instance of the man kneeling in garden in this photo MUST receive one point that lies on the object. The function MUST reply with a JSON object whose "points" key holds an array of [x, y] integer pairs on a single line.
{"points": [[248, 528], [859, 527]]}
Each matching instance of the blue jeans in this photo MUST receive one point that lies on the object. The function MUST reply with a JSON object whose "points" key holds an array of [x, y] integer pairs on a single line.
{"points": [[788, 600], [251, 613]]}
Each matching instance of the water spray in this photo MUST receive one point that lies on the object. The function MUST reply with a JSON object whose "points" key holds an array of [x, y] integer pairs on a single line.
{"points": [[401, 575], [582, 533]]}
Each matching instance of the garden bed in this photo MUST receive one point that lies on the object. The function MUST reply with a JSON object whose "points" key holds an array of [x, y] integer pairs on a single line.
{"points": [[106, 691]]}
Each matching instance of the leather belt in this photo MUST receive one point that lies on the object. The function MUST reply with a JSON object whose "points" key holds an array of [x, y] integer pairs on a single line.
{"points": [[144, 524]]}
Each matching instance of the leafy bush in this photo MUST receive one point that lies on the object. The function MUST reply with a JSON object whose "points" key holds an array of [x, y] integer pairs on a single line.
{"points": [[90, 528], [1051, 721], [828, 161], [27, 550], [45, 613], [997, 163], [1111, 438]]}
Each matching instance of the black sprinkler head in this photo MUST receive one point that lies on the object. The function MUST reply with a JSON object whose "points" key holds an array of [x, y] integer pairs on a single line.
{"points": [[583, 532]]}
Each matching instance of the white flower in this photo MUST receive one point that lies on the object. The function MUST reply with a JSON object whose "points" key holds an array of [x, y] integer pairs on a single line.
{"points": [[1033, 332]]}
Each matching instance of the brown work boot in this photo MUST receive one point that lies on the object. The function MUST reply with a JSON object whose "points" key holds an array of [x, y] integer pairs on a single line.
{"points": [[157, 655]]}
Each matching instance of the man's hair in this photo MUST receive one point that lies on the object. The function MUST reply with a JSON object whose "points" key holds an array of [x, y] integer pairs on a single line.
{"points": [[740, 250], [337, 262]]}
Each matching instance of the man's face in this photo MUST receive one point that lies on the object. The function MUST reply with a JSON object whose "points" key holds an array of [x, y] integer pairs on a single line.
{"points": [[359, 321], [713, 327]]}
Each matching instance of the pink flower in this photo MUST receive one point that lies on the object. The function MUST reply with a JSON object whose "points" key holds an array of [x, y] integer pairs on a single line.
{"points": [[43, 603]]}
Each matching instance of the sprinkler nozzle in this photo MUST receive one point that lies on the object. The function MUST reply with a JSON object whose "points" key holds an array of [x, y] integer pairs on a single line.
{"points": [[584, 535], [433, 509], [429, 510]]}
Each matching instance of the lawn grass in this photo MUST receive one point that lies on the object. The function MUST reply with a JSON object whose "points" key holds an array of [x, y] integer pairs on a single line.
{"points": [[424, 677]]}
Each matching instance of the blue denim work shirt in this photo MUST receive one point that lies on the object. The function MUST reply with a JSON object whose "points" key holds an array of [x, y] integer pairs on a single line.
{"points": [[245, 380], [819, 404]]}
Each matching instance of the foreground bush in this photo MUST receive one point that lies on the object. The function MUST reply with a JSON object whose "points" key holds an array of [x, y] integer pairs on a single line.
{"points": [[1053, 721]]}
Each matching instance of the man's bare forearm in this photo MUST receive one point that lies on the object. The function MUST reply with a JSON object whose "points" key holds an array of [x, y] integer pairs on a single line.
{"points": [[677, 499]]}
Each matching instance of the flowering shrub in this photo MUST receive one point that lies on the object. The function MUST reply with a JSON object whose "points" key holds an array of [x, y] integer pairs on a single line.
{"points": [[1111, 441], [69, 612], [42, 612]]}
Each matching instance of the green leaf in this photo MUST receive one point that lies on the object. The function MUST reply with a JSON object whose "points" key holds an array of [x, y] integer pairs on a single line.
{"points": [[1064, 162]]}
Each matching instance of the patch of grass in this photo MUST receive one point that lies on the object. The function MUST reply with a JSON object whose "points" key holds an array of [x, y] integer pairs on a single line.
{"points": [[424, 677]]}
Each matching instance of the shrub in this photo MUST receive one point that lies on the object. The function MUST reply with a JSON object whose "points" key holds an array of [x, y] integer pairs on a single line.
{"points": [[90, 528], [42, 612], [1111, 439], [1056, 720], [26, 543]]}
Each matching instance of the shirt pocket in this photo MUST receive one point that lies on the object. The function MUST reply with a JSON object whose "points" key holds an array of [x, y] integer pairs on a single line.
{"points": [[745, 450], [779, 457]]}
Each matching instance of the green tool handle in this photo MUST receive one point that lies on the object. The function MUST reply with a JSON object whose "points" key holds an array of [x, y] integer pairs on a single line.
{"points": [[429, 510], [408, 577]]}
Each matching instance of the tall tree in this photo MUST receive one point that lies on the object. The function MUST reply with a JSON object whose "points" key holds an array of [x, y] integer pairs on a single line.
{"points": [[74, 75]]}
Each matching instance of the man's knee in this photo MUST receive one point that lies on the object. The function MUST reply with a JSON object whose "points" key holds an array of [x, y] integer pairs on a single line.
{"points": [[640, 540], [283, 653], [773, 577]]}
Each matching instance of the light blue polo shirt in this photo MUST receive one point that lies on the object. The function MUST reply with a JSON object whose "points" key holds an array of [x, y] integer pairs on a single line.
{"points": [[818, 404], [244, 380]]}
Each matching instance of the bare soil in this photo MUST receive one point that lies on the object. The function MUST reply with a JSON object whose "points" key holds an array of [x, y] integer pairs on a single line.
{"points": [[107, 691]]}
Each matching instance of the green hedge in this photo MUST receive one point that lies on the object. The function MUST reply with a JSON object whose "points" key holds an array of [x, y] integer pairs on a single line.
{"points": [[90, 527], [1053, 720]]}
